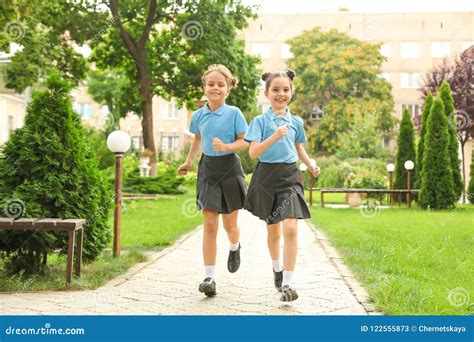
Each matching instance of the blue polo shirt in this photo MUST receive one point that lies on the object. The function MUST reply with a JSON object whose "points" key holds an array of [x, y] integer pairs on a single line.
{"points": [[284, 150], [225, 123]]}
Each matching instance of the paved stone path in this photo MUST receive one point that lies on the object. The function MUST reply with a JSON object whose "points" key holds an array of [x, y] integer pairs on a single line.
{"points": [[167, 283]]}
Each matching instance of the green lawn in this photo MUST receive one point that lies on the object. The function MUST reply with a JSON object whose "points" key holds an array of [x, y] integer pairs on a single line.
{"points": [[152, 224], [411, 261], [332, 198], [146, 225]]}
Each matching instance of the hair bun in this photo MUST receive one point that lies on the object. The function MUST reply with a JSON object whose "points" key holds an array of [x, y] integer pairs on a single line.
{"points": [[265, 76], [291, 74]]}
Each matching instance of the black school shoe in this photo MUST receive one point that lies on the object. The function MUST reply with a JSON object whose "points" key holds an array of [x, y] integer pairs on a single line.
{"points": [[233, 262], [277, 279], [288, 294], [208, 287]]}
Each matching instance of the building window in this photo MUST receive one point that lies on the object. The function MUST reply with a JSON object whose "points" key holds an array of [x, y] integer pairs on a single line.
{"points": [[385, 50], [136, 143], [84, 110], [286, 52], [169, 111], [440, 49], [261, 49], [173, 111], [317, 112], [169, 143], [11, 123], [414, 109], [105, 111], [410, 50], [385, 142], [410, 80]]}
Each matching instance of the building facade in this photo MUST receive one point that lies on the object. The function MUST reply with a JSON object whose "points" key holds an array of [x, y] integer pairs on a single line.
{"points": [[12, 107]]}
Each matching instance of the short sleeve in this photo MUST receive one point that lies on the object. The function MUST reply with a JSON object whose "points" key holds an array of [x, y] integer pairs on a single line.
{"points": [[194, 125], [300, 134], [240, 123], [255, 132]]}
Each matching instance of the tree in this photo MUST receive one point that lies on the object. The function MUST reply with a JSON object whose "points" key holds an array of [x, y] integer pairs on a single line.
{"points": [[48, 171], [460, 75], [363, 140], [421, 143], [470, 189], [405, 151], [48, 32], [437, 186], [341, 74], [110, 88], [444, 93], [159, 46]]}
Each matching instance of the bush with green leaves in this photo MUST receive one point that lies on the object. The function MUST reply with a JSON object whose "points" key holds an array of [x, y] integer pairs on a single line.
{"points": [[164, 183], [421, 143], [97, 140], [363, 140], [470, 189], [444, 93], [48, 170], [437, 186], [167, 181], [368, 173], [405, 151], [248, 164]]}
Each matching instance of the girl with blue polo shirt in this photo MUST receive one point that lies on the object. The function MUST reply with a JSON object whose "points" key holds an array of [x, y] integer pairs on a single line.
{"points": [[219, 129], [275, 192]]}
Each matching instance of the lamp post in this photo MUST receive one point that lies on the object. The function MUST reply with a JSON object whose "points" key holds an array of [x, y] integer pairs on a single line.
{"points": [[409, 165], [118, 142], [390, 169]]}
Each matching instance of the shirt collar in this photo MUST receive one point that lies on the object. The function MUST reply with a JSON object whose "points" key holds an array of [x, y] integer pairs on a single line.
{"points": [[219, 110], [272, 116]]}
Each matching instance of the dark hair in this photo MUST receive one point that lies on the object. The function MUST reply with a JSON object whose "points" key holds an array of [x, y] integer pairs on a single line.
{"points": [[268, 77]]}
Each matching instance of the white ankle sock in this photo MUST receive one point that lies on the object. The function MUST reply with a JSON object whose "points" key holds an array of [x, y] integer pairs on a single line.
{"points": [[234, 246], [210, 271], [277, 265], [287, 278]]}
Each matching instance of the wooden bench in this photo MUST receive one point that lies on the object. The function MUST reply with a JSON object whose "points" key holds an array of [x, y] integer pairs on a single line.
{"points": [[359, 191], [54, 224]]}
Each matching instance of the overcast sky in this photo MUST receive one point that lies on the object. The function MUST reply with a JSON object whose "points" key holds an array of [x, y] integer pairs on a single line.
{"points": [[367, 6]]}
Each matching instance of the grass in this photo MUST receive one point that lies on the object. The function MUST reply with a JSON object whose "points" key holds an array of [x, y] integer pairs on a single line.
{"points": [[153, 224], [93, 275], [333, 198], [147, 225], [412, 262]]}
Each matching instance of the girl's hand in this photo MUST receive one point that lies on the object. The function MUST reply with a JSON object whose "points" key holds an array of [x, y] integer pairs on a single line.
{"points": [[281, 131], [219, 146], [314, 170], [183, 169]]}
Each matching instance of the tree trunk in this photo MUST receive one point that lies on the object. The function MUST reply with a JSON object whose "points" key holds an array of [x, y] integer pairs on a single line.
{"points": [[144, 87], [463, 142], [137, 52]]}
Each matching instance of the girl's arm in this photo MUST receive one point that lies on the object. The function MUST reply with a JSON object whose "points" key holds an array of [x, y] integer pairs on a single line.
{"points": [[237, 145], [305, 159], [257, 148], [195, 146]]}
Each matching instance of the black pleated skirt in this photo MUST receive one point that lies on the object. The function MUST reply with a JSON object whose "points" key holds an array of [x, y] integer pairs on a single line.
{"points": [[220, 184], [276, 193]]}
